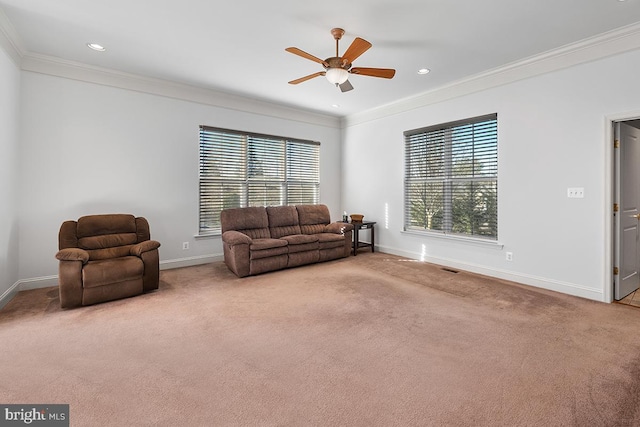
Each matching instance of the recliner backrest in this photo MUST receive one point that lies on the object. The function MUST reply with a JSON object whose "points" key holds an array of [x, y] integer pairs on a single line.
{"points": [[313, 218], [104, 236], [283, 221]]}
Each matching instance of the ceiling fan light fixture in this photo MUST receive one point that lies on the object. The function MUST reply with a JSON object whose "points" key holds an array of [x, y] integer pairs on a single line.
{"points": [[337, 76]]}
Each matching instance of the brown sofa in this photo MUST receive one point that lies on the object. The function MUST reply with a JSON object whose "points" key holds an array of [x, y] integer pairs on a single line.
{"points": [[106, 257], [258, 239]]}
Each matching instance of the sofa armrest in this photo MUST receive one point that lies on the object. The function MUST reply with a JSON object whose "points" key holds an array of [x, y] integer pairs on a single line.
{"points": [[70, 278], [338, 227], [236, 252], [233, 237], [73, 254], [142, 247]]}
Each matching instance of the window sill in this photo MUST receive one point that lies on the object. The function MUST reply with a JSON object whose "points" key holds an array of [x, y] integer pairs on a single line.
{"points": [[208, 235], [494, 244]]}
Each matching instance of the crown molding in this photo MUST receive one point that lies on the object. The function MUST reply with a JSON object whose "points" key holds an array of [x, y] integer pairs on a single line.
{"points": [[53, 66], [611, 43], [607, 44], [10, 42]]}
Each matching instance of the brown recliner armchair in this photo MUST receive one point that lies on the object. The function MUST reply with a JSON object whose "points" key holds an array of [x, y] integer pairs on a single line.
{"points": [[106, 257]]}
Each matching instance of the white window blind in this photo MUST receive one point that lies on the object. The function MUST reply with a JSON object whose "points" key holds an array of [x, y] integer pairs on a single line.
{"points": [[451, 178], [239, 169]]}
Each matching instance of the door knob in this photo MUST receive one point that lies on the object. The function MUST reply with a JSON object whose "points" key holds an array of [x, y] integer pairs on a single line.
{"points": [[637, 216]]}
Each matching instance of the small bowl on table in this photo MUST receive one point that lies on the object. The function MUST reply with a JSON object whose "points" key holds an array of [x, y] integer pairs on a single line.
{"points": [[356, 217]]}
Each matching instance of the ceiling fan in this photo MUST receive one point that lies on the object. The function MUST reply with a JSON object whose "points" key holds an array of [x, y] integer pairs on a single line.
{"points": [[338, 68]]}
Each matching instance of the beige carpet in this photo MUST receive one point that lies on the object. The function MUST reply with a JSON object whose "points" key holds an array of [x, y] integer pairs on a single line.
{"points": [[372, 340]]}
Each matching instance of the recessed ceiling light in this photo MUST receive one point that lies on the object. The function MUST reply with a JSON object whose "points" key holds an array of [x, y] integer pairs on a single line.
{"points": [[96, 46], [424, 71], [335, 105]]}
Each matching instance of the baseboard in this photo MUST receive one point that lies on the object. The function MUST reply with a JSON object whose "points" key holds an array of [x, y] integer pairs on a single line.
{"points": [[190, 261], [9, 294], [524, 279], [38, 282], [26, 284]]}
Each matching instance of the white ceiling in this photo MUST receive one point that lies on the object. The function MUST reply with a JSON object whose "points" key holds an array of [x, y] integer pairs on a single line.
{"points": [[238, 46]]}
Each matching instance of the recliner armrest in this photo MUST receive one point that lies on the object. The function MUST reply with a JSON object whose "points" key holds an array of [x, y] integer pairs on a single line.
{"points": [[233, 237], [146, 246], [73, 254], [338, 227]]}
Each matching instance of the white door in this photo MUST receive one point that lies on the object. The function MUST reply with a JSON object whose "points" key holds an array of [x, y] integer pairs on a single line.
{"points": [[627, 220]]}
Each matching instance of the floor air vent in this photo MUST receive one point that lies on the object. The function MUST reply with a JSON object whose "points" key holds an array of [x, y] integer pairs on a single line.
{"points": [[450, 270]]}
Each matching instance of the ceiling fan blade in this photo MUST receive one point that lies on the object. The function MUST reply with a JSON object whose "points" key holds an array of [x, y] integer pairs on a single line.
{"points": [[357, 48], [305, 78], [385, 73], [346, 86], [306, 55]]}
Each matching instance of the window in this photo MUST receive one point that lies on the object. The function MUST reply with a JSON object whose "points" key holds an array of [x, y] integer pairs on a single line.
{"points": [[451, 178], [239, 169]]}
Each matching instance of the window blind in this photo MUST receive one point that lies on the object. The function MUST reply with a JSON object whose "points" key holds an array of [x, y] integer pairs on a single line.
{"points": [[239, 169], [451, 178]]}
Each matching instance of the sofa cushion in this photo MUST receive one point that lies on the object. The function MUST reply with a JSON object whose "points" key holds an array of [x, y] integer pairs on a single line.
{"points": [[268, 253], [97, 225], [330, 240], [264, 248], [262, 244], [283, 221], [106, 236], [300, 239], [108, 245], [302, 243], [252, 221], [109, 271], [114, 252], [313, 218], [107, 241], [313, 228]]}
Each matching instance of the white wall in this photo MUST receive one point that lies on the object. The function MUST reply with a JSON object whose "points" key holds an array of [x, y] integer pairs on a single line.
{"points": [[89, 149], [9, 106], [551, 136]]}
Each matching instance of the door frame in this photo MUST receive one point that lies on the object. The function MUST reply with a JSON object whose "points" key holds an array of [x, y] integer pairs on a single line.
{"points": [[609, 183]]}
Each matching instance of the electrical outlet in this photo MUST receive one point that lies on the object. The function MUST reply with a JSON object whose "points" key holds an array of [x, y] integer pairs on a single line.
{"points": [[185, 245], [575, 193], [509, 256]]}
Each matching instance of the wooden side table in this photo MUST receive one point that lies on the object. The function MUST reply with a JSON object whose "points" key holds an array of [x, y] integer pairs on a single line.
{"points": [[364, 225]]}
